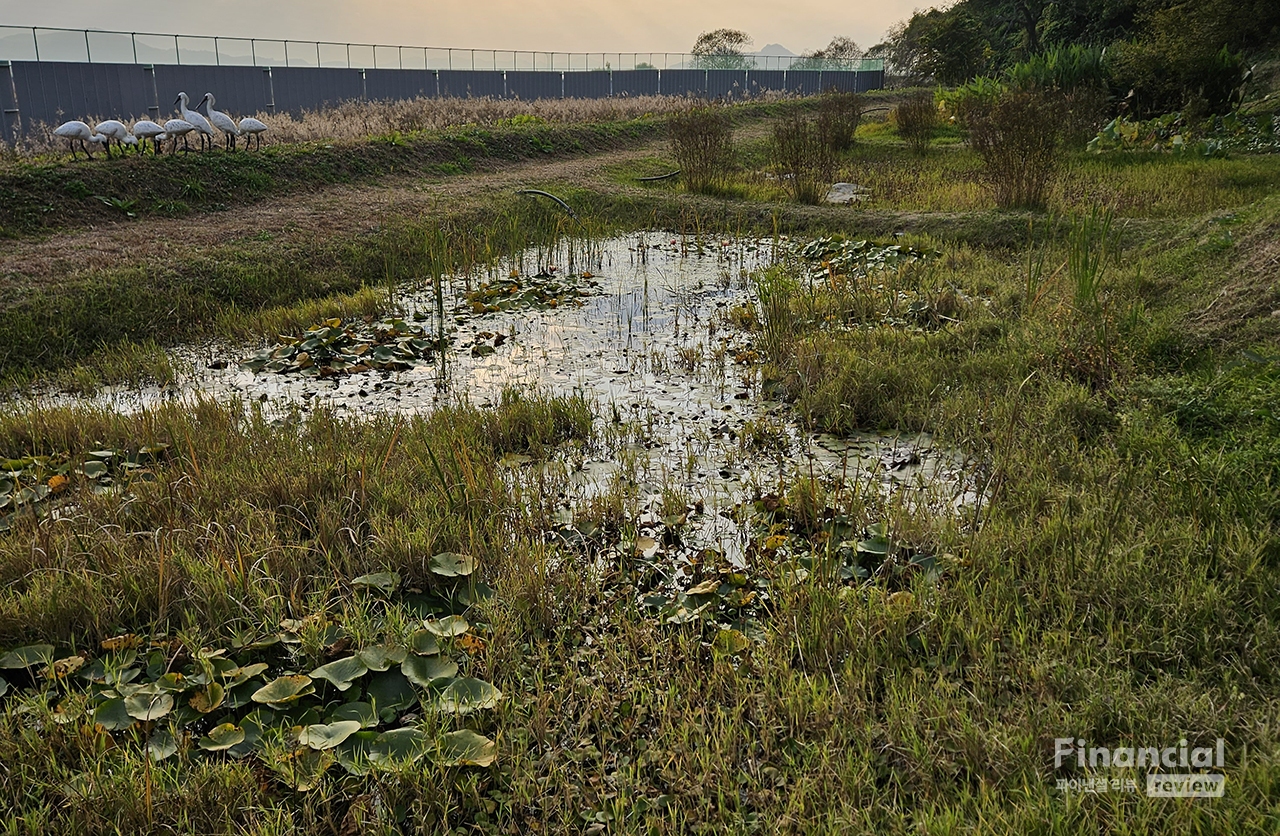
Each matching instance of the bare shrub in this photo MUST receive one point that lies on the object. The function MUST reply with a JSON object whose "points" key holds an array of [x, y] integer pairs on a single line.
{"points": [[1017, 134], [801, 158], [702, 143], [838, 118], [917, 119]]}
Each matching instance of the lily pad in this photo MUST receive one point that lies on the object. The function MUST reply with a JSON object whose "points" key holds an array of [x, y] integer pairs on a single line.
{"points": [[162, 744], [383, 581], [302, 770], [26, 657], [285, 690], [342, 672], [208, 698], [382, 657], [223, 737], [360, 712], [449, 626], [390, 692], [353, 753], [321, 736], [452, 565], [399, 746], [423, 643], [112, 715], [148, 706], [462, 696], [466, 748], [425, 670]]}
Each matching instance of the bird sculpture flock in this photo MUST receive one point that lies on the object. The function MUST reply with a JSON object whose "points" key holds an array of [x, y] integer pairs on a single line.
{"points": [[79, 135]]}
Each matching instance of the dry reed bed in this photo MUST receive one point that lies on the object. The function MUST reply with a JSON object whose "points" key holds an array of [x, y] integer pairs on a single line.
{"points": [[360, 120]]}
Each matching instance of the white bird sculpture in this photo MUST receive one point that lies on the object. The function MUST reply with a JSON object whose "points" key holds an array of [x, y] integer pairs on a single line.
{"points": [[117, 130], [197, 120], [145, 129], [254, 129], [77, 131], [175, 128], [222, 122]]}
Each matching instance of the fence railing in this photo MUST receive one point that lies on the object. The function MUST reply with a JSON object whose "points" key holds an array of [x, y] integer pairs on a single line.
{"points": [[39, 43]]}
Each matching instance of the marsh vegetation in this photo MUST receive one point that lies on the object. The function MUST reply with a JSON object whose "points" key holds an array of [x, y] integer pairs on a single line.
{"points": [[708, 509]]}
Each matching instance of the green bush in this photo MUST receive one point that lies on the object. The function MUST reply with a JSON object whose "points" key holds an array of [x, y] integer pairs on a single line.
{"points": [[917, 119], [802, 158], [1017, 133], [702, 143]]}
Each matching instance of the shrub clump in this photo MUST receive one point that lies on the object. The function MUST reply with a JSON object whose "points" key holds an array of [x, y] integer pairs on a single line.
{"points": [[702, 143], [1017, 133], [917, 119], [802, 159], [838, 118]]}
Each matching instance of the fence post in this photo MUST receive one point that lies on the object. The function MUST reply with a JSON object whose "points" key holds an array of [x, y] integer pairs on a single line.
{"points": [[154, 108], [88, 55], [11, 124], [35, 41], [271, 91]]}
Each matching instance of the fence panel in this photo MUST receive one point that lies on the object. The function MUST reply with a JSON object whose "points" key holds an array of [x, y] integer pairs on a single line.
{"points": [[309, 88], [630, 82], [55, 93], [476, 84], [683, 82], [804, 82], [394, 85], [726, 84], [588, 85], [534, 84], [763, 81], [239, 91]]}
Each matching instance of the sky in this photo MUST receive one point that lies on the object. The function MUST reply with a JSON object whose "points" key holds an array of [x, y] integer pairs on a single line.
{"points": [[545, 25]]}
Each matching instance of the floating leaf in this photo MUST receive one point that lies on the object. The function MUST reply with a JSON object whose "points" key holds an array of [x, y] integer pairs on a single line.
{"points": [[353, 753], [423, 642], [112, 715], [207, 698], [730, 642], [361, 712], [708, 587], [94, 470], [424, 670], [243, 675], [4, 686], [382, 657], [450, 625], [462, 696], [466, 748], [342, 672], [321, 736], [148, 706], [384, 581], [162, 744], [452, 565], [223, 737], [398, 745], [26, 657], [284, 690], [303, 769], [123, 642], [390, 692]]}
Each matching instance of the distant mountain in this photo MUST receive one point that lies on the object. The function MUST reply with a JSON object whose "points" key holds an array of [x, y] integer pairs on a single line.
{"points": [[773, 49]]}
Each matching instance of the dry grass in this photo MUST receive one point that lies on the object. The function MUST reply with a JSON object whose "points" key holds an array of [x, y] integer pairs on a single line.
{"points": [[360, 120]]}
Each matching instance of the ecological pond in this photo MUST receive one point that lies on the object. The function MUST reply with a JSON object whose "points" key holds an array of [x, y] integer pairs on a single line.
{"points": [[659, 335]]}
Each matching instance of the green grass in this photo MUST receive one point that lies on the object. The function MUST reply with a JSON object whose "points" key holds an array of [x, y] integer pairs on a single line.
{"points": [[1117, 582]]}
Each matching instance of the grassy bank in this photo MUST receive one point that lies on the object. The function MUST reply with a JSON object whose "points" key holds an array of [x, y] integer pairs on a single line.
{"points": [[873, 667]]}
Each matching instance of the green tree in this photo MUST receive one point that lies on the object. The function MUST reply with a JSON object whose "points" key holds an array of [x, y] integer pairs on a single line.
{"points": [[722, 49]]}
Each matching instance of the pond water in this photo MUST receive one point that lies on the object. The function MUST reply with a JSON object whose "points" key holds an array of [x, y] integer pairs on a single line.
{"points": [[653, 346]]}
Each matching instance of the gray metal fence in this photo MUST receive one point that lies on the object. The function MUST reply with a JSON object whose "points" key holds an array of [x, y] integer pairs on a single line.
{"points": [[98, 46], [49, 92]]}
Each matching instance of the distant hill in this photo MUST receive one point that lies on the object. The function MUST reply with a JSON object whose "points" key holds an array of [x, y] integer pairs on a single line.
{"points": [[773, 49]]}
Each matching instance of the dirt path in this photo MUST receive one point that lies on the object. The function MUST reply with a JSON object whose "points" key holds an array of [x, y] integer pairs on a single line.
{"points": [[291, 221]]}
